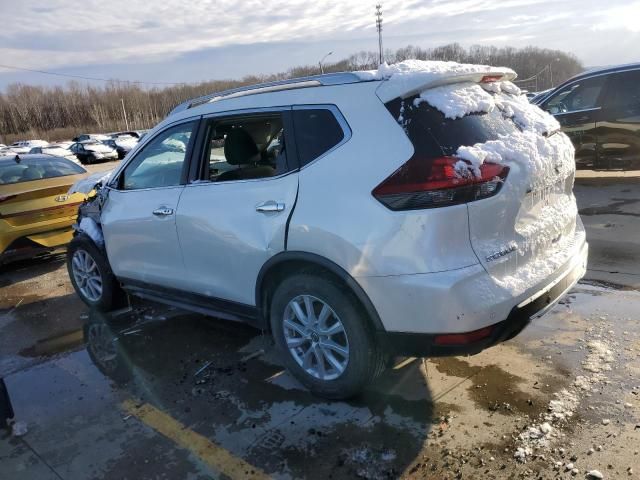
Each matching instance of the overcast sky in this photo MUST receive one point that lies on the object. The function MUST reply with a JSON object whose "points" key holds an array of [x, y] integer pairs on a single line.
{"points": [[178, 40]]}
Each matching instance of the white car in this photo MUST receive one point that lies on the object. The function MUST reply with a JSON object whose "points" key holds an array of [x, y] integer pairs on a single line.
{"points": [[92, 151], [24, 146], [56, 150], [423, 209]]}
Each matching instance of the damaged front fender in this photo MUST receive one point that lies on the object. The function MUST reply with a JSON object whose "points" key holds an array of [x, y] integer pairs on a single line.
{"points": [[88, 221], [91, 182]]}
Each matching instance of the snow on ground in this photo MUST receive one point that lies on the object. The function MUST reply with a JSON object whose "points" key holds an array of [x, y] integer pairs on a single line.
{"points": [[538, 438]]}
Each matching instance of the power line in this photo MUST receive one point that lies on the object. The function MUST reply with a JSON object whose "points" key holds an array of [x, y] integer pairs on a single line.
{"points": [[81, 77]]}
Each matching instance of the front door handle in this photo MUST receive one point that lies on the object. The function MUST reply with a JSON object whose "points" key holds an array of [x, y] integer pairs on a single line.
{"points": [[163, 212], [270, 206]]}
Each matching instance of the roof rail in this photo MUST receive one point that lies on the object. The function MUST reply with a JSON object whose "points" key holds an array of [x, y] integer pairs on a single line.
{"points": [[289, 84]]}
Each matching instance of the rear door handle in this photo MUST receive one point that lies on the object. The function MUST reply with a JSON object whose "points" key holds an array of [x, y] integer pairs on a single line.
{"points": [[163, 212], [270, 206]]}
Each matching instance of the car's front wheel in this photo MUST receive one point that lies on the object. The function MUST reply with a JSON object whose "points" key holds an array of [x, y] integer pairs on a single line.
{"points": [[91, 275], [324, 336]]}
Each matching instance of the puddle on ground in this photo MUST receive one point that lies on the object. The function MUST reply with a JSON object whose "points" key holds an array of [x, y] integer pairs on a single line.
{"points": [[613, 208], [491, 388], [55, 345]]}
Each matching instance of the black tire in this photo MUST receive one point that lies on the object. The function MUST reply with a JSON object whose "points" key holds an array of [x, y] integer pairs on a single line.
{"points": [[112, 296], [366, 360]]}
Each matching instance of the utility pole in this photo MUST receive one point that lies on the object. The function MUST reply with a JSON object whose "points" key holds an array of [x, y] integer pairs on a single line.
{"points": [[124, 114], [379, 28]]}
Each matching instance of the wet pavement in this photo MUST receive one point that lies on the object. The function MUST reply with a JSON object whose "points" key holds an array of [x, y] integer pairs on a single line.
{"points": [[154, 392]]}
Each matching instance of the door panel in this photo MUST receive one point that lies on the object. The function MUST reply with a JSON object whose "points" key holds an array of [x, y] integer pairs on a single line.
{"points": [[139, 216], [619, 124], [226, 239], [577, 109], [580, 127], [142, 245]]}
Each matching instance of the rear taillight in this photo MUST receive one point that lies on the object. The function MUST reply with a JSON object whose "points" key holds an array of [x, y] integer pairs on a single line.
{"points": [[491, 78], [434, 182]]}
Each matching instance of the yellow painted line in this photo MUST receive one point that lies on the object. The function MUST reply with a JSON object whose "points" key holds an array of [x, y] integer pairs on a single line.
{"points": [[404, 363], [216, 457]]}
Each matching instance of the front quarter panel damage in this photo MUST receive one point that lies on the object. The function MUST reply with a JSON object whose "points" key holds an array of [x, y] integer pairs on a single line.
{"points": [[89, 212]]}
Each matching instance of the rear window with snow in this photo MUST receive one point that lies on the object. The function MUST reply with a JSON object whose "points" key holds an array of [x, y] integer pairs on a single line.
{"points": [[433, 134]]}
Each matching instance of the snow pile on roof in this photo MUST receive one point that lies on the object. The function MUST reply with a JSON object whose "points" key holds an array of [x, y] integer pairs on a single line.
{"points": [[427, 69], [545, 158], [410, 77], [457, 100], [525, 115], [535, 146]]}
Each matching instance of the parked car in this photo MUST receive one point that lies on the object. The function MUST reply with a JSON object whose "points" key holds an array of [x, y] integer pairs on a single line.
{"points": [[57, 151], [24, 146], [91, 137], [122, 144], [130, 133], [600, 111], [535, 96], [92, 151], [36, 213], [344, 213], [6, 151]]}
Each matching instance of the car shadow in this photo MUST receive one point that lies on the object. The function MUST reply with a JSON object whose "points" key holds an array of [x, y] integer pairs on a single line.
{"points": [[22, 270], [225, 381]]}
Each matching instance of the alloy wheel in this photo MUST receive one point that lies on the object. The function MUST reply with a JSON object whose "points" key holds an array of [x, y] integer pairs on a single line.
{"points": [[87, 275], [316, 337]]}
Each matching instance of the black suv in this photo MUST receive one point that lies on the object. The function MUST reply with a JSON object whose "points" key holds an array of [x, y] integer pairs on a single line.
{"points": [[600, 111]]}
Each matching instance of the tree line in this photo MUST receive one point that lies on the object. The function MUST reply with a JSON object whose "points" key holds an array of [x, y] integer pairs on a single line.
{"points": [[61, 112]]}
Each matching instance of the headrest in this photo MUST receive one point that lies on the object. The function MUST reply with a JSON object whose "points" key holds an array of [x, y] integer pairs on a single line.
{"points": [[240, 148]]}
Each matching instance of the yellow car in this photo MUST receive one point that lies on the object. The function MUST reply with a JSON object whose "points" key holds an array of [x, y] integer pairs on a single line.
{"points": [[36, 213]]}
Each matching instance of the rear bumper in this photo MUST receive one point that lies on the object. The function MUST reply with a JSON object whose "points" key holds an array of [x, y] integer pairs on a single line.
{"points": [[464, 303], [430, 345]]}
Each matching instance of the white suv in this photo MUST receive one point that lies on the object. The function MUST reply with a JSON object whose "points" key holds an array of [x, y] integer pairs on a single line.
{"points": [[424, 209]]}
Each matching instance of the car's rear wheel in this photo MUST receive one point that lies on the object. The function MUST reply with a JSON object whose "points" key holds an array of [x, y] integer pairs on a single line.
{"points": [[324, 336], [91, 275]]}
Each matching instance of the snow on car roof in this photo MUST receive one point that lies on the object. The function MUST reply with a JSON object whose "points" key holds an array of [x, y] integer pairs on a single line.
{"points": [[427, 68], [410, 77]]}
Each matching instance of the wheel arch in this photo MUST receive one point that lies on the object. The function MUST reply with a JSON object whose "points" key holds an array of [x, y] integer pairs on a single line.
{"points": [[279, 265]]}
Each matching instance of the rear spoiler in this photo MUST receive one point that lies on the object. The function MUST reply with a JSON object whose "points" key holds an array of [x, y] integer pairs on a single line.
{"points": [[404, 86]]}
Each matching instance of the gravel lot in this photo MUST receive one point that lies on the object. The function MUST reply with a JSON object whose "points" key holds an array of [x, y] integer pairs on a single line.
{"points": [[185, 396]]}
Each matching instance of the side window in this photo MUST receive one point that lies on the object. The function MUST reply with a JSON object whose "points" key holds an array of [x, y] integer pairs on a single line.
{"points": [[161, 161], [580, 95], [317, 131], [624, 90], [245, 147]]}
